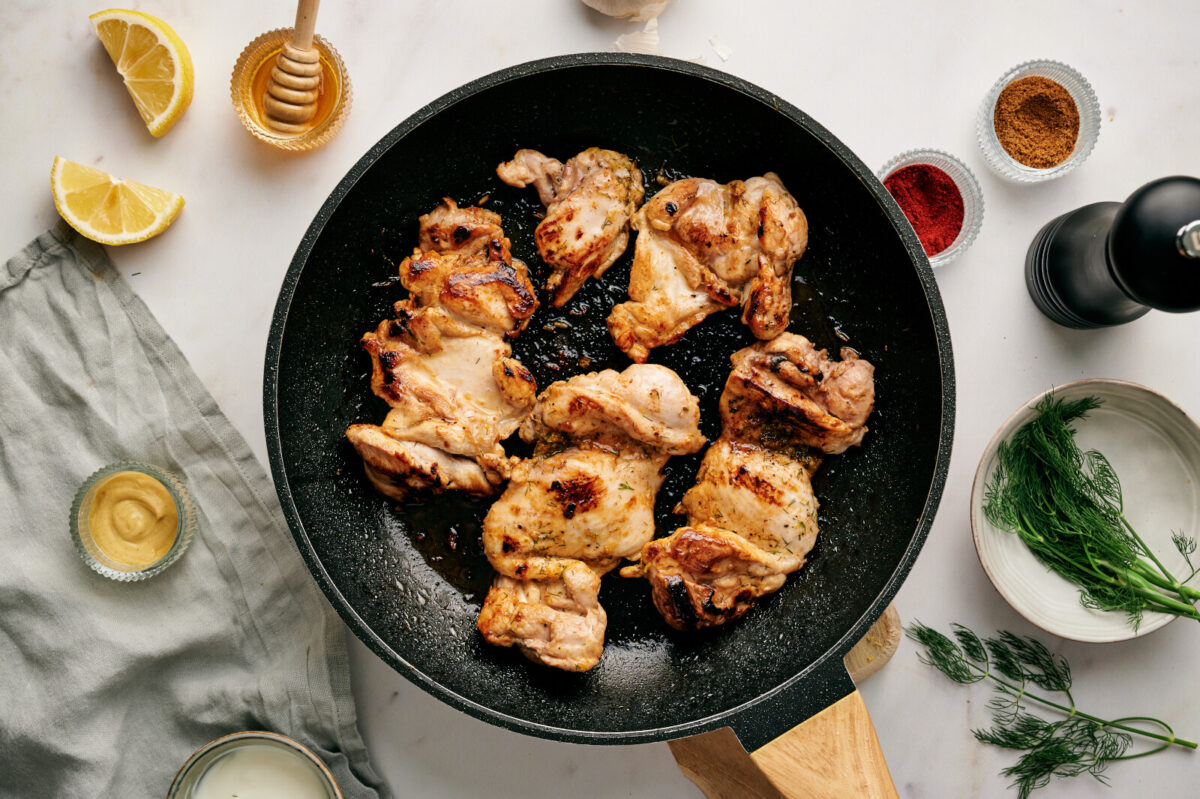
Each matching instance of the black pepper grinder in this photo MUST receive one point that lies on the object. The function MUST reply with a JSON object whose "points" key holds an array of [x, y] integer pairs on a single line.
{"points": [[1109, 263]]}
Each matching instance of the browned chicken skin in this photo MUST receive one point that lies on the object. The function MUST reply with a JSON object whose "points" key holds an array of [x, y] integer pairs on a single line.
{"points": [[448, 228], [444, 363], [557, 621], [752, 515], [589, 201], [702, 247], [701, 576], [786, 392], [584, 500]]}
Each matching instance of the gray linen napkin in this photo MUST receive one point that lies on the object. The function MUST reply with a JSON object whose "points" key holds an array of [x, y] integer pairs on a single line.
{"points": [[105, 687]]}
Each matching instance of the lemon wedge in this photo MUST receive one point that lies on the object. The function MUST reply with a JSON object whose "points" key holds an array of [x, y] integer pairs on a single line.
{"points": [[107, 209], [154, 62]]}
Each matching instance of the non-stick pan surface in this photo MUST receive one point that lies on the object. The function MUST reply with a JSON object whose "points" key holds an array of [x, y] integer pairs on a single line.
{"points": [[409, 580]]}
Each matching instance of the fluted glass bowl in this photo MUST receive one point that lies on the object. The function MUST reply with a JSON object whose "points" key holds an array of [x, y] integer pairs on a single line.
{"points": [[1077, 86], [93, 556], [968, 187]]}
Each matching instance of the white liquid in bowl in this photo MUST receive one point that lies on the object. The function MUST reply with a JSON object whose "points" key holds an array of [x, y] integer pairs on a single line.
{"points": [[261, 771]]}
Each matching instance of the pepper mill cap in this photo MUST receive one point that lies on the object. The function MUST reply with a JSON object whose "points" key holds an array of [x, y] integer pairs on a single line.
{"points": [[1155, 242], [1189, 239]]}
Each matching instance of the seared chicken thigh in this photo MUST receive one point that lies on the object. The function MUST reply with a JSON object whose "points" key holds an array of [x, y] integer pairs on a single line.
{"points": [[752, 515], [396, 466], [787, 392], [704, 246], [585, 498], [444, 363], [587, 502], [589, 201], [449, 228], [557, 621], [765, 496], [752, 519], [646, 404], [701, 576]]}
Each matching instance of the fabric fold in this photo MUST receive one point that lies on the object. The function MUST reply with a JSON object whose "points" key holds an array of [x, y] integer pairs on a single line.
{"points": [[108, 687]]}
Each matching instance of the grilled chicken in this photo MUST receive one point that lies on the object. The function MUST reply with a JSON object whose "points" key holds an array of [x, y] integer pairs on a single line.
{"points": [[586, 502], [752, 515], [787, 392], [752, 519], [556, 621], [704, 246], [396, 466], [589, 201], [765, 496], [444, 363], [701, 576], [449, 228], [585, 498], [645, 404]]}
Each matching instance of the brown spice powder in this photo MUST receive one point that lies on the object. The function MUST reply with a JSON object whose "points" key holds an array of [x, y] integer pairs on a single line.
{"points": [[1036, 122]]}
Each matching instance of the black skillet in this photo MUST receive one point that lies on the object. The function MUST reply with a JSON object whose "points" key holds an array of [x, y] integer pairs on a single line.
{"points": [[409, 580]]}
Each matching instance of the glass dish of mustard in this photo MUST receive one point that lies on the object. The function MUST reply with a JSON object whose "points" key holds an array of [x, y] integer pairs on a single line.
{"points": [[131, 520]]}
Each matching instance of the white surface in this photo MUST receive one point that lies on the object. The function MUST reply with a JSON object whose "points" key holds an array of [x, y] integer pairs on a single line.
{"points": [[882, 76], [1155, 450]]}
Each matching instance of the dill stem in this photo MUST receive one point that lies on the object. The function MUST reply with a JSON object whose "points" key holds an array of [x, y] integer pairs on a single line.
{"points": [[1151, 576], [1153, 596], [1070, 711], [1175, 586]]}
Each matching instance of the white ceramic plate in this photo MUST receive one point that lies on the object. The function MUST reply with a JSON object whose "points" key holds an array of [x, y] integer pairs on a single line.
{"points": [[1155, 449]]}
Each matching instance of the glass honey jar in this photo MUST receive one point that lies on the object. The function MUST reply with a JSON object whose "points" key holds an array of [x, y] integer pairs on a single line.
{"points": [[248, 88]]}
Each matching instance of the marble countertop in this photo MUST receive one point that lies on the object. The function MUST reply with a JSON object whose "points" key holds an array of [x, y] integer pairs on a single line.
{"points": [[883, 77]]}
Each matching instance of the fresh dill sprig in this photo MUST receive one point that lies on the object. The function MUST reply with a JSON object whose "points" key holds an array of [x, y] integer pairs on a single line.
{"points": [[1067, 506], [1077, 744]]}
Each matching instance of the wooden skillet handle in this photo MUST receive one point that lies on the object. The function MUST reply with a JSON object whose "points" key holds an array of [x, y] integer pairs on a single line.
{"points": [[834, 754]]}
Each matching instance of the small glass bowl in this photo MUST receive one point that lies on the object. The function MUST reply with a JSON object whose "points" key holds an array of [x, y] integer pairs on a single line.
{"points": [[968, 187], [1081, 92], [193, 770], [241, 88], [101, 563]]}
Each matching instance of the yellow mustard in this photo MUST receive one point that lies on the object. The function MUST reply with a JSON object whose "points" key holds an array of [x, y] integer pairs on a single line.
{"points": [[133, 519]]}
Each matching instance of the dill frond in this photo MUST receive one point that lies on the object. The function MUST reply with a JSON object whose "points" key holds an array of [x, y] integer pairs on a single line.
{"points": [[1078, 743]]}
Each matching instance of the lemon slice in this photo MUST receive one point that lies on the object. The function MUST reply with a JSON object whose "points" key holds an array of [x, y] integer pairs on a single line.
{"points": [[107, 209], [154, 62]]}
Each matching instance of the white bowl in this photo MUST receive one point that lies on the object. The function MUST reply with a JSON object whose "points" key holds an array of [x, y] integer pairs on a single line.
{"points": [[1155, 449]]}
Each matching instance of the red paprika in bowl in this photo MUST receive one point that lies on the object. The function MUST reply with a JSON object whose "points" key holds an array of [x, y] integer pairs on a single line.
{"points": [[940, 198]]}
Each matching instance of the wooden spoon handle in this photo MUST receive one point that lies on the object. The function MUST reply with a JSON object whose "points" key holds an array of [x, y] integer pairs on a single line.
{"points": [[306, 23]]}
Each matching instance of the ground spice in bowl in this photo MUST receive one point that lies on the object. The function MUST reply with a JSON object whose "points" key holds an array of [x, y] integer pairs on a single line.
{"points": [[1036, 122], [931, 201]]}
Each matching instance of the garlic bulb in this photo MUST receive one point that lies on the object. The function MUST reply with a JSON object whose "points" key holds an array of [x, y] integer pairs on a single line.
{"points": [[636, 10]]}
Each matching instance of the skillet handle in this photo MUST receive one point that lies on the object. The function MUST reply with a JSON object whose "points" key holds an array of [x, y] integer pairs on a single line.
{"points": [[832, 755]]}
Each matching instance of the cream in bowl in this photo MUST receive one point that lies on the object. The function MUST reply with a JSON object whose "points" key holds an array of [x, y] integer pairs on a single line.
{"points": [[254, 765]]}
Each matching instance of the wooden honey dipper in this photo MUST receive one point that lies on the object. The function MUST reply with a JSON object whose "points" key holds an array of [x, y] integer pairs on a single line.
{"points": [[291, 99]]}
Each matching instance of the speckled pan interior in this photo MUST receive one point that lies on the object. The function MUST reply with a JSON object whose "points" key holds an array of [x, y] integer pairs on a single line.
{"points": [[409, 580]]}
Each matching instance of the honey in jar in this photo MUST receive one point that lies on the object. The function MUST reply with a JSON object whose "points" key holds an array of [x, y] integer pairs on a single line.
{"points": [[252, 74]]}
